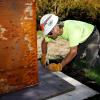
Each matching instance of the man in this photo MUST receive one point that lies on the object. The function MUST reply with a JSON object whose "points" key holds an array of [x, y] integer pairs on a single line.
{"points": [[82, 37]]}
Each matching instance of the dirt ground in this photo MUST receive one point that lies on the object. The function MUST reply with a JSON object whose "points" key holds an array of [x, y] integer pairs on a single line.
{"points": [[56, 49]]}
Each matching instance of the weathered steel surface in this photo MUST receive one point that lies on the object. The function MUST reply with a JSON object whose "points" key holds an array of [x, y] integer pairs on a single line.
{"points": [[18, 45]]}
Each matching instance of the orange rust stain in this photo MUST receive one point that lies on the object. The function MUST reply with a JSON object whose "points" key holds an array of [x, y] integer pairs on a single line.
{"points": [[18, 54]]}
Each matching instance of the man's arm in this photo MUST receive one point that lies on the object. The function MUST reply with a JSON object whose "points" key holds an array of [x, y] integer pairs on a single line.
{"points": [[70, 56], [44, 47], [44, 52]]}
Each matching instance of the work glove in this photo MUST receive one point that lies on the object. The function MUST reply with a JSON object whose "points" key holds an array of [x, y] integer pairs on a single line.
{"points": [[55, 67], [43, 60]]}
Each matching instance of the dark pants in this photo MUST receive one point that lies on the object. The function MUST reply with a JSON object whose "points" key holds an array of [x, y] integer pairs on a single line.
{"points": [[89, 49]]}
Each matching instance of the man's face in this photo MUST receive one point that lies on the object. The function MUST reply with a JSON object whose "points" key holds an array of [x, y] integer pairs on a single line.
{"points": [[55, 32]]}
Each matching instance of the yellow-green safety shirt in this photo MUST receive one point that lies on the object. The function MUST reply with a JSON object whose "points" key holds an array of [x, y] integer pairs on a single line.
{"points": [[75, 32]]}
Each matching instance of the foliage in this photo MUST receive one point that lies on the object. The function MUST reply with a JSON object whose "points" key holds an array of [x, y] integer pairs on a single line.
{"points": [[70, 9]]}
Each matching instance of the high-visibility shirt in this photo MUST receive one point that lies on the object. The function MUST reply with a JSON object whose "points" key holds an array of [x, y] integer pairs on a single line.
{"points": [[75, 32]]}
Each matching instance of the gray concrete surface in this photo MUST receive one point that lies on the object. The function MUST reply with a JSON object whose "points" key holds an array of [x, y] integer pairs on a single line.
{"points": [[81, 91]]}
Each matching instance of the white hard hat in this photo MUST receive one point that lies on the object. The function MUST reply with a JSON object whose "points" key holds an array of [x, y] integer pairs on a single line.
{"points": [[48, 22]]}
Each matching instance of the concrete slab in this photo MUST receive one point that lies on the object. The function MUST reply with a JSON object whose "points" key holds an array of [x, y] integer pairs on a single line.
{"points": [[50, 85], [81, 91]]}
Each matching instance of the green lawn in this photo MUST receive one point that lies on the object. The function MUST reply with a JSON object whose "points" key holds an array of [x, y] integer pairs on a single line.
{"points": [[93, 74]]}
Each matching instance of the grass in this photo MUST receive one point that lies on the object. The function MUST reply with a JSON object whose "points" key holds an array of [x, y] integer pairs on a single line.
{"points": [[93, 74]]}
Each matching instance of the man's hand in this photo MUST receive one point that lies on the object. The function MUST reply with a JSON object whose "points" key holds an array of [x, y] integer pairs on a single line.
{"points": [[55, 67]]}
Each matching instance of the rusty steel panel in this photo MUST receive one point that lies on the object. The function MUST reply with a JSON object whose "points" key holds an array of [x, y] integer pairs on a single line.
{"points": [[18, 45]]}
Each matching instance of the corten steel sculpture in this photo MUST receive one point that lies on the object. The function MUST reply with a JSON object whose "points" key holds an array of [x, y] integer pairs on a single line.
{"points": [[18, 45]]}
